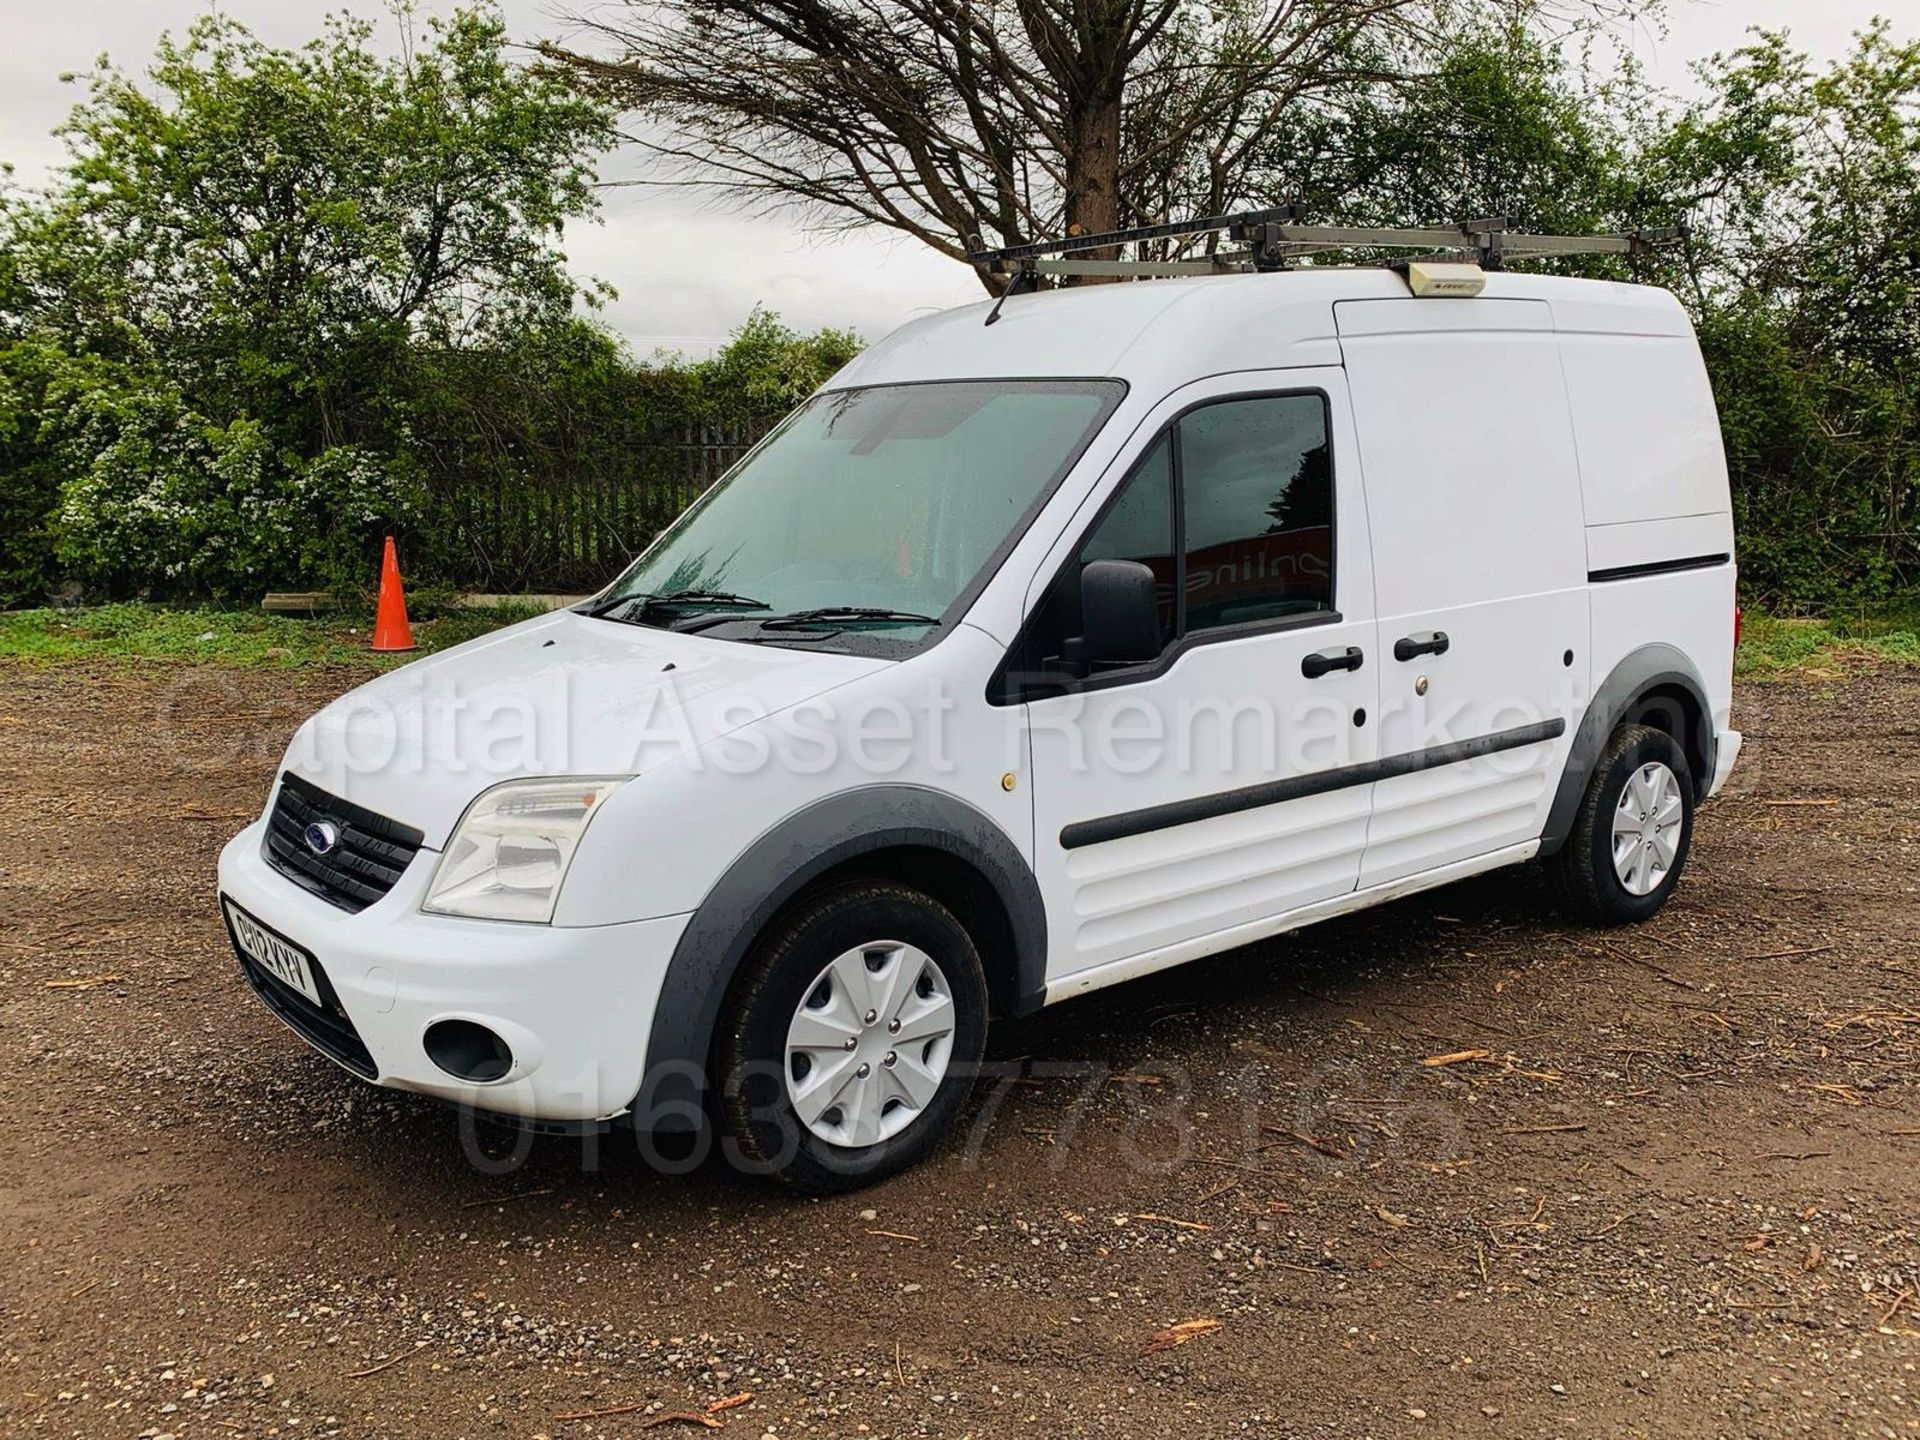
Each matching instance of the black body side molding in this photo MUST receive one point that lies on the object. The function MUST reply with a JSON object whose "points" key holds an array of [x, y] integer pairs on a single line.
{"points": [[1658, 567], [1298, 787], [775, 869]]}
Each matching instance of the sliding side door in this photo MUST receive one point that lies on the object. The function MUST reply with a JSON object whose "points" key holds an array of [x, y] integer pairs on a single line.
{"points": [[1473, 496]]}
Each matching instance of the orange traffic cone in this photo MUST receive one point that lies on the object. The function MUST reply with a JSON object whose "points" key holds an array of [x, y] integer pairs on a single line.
{"points": [[390, 629]]}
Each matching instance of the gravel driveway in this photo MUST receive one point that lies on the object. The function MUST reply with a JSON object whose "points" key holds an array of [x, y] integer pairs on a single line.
{"points": [[1446, 1167]]}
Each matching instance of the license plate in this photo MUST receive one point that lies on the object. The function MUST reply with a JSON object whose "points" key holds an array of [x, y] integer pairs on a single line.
{"points": [[276, 955]]}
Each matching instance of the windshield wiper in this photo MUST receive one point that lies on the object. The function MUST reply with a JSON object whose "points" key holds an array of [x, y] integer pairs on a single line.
{"points": [[650, 602], [852, 614], [604, 605]]}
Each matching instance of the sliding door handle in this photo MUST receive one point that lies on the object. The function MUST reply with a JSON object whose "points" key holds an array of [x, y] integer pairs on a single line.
{"points": [[1315, 665], [1412, 647]]}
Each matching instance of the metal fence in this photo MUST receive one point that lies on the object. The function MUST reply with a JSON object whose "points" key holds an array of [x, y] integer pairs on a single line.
{"points": [[568, 523]]}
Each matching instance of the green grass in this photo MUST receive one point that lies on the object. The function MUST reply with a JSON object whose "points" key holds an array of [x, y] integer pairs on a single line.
{"points": [[1772, 645], [229, 637]]}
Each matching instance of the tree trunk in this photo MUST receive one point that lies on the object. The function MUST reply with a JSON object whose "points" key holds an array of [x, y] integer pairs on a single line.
{"points": [[1093, 173]]}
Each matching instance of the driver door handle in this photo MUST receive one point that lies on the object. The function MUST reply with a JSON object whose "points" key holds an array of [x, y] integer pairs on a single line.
{"points": [[1320, 662], [1410, 647]]}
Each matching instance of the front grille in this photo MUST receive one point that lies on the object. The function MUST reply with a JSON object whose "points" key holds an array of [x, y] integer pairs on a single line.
{"points": [[324, 1026], [363, 866]]}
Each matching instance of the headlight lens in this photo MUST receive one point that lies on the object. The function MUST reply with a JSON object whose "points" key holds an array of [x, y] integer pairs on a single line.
{"points": [[511, 849]]}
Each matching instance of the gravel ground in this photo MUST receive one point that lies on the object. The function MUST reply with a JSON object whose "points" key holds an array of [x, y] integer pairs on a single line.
{"points": [[1672, 1185]]}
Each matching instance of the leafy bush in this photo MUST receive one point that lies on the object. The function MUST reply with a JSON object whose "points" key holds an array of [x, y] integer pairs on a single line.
{"points": [[1803, 186], [767, 368], [29, 474], [160, 498], [214, 311]]}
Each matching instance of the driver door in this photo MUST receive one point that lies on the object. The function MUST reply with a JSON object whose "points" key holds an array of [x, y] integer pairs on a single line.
{"points": [[1199, 794]]}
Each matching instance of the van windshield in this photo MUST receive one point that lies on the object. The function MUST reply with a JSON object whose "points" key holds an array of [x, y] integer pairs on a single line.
{"points": [[894, 500]]}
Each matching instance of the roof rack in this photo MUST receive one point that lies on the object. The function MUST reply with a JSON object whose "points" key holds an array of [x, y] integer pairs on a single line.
{"points": [[1274, 237]]}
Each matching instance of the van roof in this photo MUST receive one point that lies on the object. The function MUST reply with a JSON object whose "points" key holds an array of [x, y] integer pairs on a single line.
{"points": [[1159, 334]]}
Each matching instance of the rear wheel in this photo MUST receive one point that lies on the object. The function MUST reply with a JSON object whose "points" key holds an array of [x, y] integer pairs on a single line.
{"points": [[1631, 834], [852, 1037]]}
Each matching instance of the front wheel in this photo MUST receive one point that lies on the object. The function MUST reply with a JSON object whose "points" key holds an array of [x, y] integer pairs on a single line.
{"points": [[1631, 834], [852, 1037]]}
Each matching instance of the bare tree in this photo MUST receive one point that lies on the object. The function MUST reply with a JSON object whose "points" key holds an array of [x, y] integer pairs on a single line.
{"points": [[1003, 119]]}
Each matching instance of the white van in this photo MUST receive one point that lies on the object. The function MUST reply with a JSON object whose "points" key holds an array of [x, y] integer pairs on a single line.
{"points": [[1023, 659]]}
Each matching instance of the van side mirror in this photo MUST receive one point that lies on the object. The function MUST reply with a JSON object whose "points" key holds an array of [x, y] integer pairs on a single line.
{"points": [[1119, 615]]}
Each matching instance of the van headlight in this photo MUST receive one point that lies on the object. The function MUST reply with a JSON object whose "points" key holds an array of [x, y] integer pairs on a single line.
{"points": [[511, 849]]}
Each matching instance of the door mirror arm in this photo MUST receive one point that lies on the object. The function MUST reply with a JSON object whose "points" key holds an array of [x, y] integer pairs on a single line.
{"points": [[1119, 617]]}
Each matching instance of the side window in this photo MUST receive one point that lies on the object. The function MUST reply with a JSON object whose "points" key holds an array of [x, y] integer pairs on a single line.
{"points": [[1140, 527], [1257, 498], [1250, 483]]}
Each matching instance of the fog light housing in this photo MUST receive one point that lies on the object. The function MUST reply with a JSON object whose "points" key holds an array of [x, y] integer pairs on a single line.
{"points": [[468, 1050]]}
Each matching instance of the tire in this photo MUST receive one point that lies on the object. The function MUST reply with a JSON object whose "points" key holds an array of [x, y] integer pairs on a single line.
{"points": [[1587, 882], [914, 958]]}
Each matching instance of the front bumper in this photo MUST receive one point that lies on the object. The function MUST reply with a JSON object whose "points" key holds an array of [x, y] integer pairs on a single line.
{"points": [[574, 1004]]}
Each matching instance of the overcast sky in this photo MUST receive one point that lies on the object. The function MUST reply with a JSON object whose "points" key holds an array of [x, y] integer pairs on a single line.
{"points": [[686, 275]]}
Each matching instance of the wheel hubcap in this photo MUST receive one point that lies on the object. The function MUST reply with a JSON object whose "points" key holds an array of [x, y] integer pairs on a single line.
{"points": [[1646, 828], [870, 1043]]}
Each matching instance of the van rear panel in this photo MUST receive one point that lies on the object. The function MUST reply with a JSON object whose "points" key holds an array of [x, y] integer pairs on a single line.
{"points": [[1614, 551], [1653, 480], [1653, 475]]}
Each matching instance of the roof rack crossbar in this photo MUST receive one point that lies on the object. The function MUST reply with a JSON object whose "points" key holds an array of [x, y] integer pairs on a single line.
{"points": [[1006, 257], [1138, 269]]}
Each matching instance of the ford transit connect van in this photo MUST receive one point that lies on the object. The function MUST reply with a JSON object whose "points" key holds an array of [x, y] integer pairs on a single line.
{"points": [[1026, 658]]}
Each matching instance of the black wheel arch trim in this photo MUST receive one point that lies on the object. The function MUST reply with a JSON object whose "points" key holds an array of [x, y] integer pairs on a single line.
{"points": [[782, 864], [1643, 672]]}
